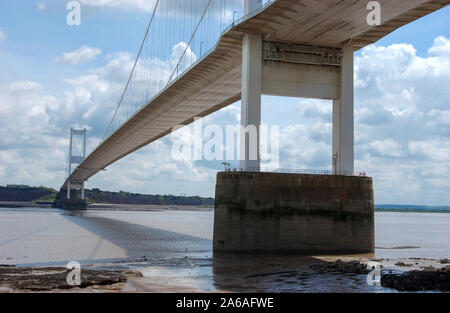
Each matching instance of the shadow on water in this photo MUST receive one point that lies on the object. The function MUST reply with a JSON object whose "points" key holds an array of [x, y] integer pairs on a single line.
{"points": [[138, 240], [180, 262]]}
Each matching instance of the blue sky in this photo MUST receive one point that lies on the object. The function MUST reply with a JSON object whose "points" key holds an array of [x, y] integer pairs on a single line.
{"points": [[402, 111]]}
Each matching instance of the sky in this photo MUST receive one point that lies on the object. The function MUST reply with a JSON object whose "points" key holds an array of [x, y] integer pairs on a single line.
{"points": [[54, 76]]}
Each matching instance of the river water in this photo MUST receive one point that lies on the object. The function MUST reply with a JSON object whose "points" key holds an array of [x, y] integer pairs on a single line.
{"points": [[173, 249]]}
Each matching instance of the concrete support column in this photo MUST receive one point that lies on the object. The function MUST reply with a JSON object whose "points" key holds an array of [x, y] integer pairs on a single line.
{"points": [[68, 190], [82, 191], [251, 94], [70, 153], [343, 121], [251, 101]]}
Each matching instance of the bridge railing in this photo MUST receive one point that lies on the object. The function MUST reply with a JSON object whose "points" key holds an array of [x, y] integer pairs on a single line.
{"points": [[179, 34], [295, 171]]}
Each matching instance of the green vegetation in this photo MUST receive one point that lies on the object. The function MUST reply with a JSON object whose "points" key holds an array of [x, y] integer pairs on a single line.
{"points": [[122, 197], [48, 198], [25, 193], [19, 193]]}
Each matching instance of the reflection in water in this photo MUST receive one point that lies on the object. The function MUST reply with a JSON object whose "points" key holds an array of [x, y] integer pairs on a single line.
{"points": [[268, 273], [173, 249]]}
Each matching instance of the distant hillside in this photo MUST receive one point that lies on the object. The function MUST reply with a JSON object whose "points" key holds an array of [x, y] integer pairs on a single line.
{"points": [[24, 193], [411, 208], [98, 196]]}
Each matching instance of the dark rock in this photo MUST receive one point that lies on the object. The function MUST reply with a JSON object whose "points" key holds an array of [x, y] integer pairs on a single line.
{"points": [[418, 280], [49, 278], [341, 267], [403, 264], [444, 261]]}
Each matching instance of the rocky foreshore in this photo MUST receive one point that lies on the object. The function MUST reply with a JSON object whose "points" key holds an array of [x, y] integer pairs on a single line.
{"points": [[429, 278], [418, 280], [55, 278], [277, 275], [340, 266]]}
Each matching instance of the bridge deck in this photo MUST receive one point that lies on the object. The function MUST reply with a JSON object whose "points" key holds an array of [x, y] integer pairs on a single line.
{"points": [[214, 81]]}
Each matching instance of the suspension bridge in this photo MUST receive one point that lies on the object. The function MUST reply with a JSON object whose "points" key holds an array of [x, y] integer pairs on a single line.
{"points": [[198, 56], [221, 51]]}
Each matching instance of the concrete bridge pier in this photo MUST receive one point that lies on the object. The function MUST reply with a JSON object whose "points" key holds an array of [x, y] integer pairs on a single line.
{"points": [[72, 197], [293, 213], [300, 213]]}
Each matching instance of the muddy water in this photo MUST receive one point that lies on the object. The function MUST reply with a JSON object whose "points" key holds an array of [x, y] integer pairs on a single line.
{"points": [[173, 249]]}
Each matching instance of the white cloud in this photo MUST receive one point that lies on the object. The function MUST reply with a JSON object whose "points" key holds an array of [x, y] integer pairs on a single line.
{"points": [[118, 67], [173, 7], [145, 5], [432, 150], [315, 109], [151, 74], [221, 11], [24, 86], [81, 55], [306, 146], [441, 47], [386, 148], [91, 81], [401, 127], [181, 49]]}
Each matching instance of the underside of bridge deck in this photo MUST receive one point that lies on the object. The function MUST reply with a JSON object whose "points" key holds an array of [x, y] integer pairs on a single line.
{"points": [[215, 80]]}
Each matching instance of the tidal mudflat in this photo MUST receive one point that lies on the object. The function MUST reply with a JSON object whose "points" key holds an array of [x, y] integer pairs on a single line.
{"points": [[169, 250]]}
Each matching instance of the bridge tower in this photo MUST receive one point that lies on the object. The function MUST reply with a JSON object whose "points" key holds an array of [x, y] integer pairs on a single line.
{"points": [[268, 69], [76, 158]]}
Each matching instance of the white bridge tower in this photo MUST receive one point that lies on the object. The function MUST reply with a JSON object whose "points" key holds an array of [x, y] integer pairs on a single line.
{"points": [[76, 158]]}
